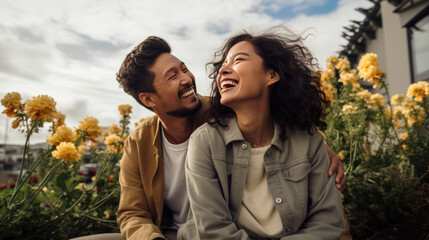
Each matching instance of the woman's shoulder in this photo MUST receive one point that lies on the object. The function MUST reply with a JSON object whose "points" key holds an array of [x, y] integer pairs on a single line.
{"points": [[309, 141]]}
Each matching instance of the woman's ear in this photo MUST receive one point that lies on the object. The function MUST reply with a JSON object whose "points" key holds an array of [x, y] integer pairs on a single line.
{"points": [[147, 99], [273, 77]]}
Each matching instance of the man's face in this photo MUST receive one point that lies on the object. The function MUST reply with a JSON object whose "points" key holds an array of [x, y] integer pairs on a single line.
{"points": [[176, 94]]}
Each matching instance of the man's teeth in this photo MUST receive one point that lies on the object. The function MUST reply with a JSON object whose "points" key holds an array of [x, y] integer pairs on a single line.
{"points": [[188, 93], [228, 82]]}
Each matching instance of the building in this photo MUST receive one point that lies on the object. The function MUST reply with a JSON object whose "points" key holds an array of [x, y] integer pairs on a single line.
{"points": [[11, 159], [398, 32]]}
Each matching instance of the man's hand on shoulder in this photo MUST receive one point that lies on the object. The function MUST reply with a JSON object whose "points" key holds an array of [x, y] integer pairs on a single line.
{"points": [[336, 165]]}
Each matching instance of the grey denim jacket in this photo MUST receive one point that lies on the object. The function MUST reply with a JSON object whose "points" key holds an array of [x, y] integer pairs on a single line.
{"points": [[297, 174]]}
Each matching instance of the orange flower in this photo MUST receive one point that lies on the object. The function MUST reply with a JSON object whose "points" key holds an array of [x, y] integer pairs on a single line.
{"points": [[15, 123]]}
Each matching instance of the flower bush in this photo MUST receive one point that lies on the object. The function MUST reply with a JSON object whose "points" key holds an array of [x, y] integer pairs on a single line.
{"points": [[384, 145], [49, 200]]}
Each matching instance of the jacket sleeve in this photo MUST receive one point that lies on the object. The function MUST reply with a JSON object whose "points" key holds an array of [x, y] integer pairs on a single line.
{"points": [[211, 216], [325, 211], [133, 216]]}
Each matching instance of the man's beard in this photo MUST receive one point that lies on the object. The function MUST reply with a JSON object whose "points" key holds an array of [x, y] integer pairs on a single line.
{"points": [[185, 112]]}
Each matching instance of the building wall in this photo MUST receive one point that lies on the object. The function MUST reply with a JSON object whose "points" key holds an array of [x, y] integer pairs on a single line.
{"points": [[397, 59], [377, 46]]}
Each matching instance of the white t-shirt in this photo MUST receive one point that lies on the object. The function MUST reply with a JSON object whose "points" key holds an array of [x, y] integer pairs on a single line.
{"points": [[175, 194]]}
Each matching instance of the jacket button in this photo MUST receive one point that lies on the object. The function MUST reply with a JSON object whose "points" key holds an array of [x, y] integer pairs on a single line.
{"points": [[279, 200], [244, 146]]}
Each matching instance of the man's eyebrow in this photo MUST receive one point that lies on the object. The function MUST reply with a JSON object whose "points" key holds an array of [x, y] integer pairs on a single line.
{"points": [[172, 69], [168, 71]]}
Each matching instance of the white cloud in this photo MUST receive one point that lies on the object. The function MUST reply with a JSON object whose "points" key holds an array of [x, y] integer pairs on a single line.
{"points": [[71, 50]]}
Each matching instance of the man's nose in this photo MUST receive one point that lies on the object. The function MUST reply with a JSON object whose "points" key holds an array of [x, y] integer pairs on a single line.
{"points": [[185, 79]]}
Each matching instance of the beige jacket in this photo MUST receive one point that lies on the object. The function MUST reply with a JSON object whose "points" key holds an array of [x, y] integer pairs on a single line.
{"points": [[141, 206], [308, 202]]}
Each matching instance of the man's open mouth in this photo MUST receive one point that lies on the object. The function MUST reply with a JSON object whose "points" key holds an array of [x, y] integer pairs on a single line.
{"points": [[188, 93]]}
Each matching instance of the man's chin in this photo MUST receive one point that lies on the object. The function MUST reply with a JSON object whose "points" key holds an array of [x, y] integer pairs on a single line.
{"points": [[186, 112]]}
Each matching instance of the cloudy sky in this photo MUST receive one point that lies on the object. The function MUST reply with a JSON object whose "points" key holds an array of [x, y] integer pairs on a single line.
{"points": [[71, 50]]}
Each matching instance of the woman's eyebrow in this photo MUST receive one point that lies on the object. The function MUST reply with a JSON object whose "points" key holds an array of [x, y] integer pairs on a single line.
{"points": [[235, 55], [240, 53]]}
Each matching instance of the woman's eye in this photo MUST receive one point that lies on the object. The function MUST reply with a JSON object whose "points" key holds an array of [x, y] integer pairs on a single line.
{"points": [[184, 70], [238, 59], [172, 77]]}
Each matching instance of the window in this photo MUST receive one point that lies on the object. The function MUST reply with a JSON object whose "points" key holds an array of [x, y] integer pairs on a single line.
{"points": [[418, 34]]}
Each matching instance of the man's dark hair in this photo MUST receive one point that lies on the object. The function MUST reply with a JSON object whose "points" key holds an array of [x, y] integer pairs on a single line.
{"points": [[134, 76], [296, 101]]}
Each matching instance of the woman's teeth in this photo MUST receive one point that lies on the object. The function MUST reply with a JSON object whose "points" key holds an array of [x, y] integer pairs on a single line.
{"points": [[228, 84]]}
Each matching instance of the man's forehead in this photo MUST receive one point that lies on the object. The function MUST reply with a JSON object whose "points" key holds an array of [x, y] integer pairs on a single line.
{"points": [[164, 62]]}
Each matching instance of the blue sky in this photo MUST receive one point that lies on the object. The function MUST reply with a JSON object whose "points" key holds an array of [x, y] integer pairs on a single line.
{"points": [[284, 11], [71, 50]]}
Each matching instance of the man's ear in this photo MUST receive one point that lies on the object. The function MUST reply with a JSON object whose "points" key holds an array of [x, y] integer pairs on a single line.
{"points": [[273, 77], [147, 99]]}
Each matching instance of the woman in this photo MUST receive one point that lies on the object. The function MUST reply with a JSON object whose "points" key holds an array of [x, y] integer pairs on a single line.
{"points": [[258, 168]]}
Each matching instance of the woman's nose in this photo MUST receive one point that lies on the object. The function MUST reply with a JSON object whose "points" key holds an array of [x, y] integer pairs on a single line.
{"points": [[225, 69]]}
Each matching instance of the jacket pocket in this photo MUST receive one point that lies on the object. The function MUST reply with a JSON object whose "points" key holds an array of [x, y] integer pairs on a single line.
{"points": [[296, 178]]}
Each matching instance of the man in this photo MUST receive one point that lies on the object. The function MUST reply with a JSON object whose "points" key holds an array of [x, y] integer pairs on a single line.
{"points": [[154, 203]]}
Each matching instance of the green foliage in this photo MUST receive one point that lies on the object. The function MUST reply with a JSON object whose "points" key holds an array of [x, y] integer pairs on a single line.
{"points": [[50, 199], [386, 155]]}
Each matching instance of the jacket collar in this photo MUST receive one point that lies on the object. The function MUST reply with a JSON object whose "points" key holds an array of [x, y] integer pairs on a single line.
{"points": [[233, 133]]}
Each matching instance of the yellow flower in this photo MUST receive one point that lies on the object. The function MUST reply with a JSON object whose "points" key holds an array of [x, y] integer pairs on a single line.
{"points": [[414, 115], [404, 136], [15, 123], [90, 125], [377, 100], [365, 95], [41, 108], [62, 134], [106, 214], [341, 155], [349, 109], [114, 129], [114, 143], [81, 148], [418, 91], [60, 117], [11, 101], [327, 75], [398, 112], [67, 152], [328, 90], [427, 90], [112, 139], [349, 77], [387, 112], [332, 60], [343, 64], [125, 109], [368, 69], [398, 99]]}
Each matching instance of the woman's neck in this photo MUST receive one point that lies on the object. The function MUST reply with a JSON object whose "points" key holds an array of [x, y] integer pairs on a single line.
{"points": [[256, 123]]}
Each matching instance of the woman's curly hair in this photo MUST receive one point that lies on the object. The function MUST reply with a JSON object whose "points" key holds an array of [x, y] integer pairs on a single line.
{"points": [[296, 100]]}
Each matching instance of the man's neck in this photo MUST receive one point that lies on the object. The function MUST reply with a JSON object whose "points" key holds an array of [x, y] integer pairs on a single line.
{"points": [[177, 130]]}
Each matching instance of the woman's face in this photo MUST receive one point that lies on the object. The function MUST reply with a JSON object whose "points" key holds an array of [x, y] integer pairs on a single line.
{"points": [[242, 76]]}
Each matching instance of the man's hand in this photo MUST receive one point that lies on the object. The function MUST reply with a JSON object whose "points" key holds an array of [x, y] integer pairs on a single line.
{"points": [[336, 165]]}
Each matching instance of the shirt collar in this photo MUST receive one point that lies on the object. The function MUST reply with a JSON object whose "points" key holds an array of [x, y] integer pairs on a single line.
{"points": [[233, 133]]}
